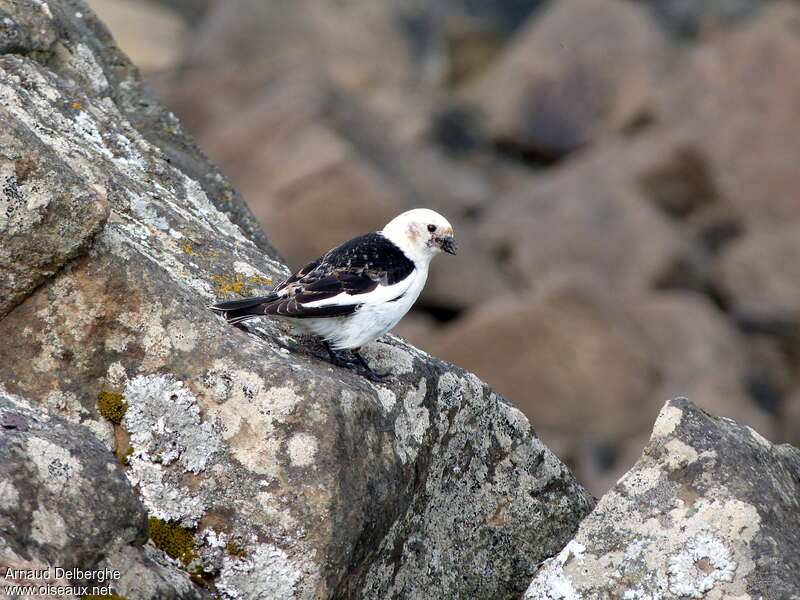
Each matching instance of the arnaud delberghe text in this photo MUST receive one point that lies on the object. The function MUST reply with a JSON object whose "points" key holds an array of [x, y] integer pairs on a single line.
{"points": [[52, 573]]}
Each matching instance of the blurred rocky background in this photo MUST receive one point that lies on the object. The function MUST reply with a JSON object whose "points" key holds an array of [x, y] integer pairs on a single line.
{"points": [[622, 176]]}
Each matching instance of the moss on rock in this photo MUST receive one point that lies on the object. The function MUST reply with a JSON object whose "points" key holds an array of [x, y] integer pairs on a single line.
{"points": [[112, 406], [173, 539]]}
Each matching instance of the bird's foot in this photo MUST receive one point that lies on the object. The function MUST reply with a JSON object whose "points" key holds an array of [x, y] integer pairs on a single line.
{"points": [[371, 373], [338, 359]]}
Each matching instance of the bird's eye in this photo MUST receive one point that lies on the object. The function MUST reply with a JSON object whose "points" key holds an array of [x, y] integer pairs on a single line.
{"points": [[431, 228]]}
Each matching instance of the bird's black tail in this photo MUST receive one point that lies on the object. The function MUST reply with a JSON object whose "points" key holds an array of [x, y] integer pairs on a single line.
{"points": [[237, 311]]}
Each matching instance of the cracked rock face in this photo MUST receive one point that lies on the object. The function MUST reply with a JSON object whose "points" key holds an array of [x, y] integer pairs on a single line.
{"points": [[709, 511], [294, 479]]}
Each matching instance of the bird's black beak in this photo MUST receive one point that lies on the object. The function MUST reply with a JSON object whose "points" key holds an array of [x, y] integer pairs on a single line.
{"points": [[448, 244]]}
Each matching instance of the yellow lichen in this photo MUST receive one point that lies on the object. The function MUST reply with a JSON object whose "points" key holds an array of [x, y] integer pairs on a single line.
{"points": [[77, 105], [112, 406], [261, 280], [176, 541], [238, 283]]}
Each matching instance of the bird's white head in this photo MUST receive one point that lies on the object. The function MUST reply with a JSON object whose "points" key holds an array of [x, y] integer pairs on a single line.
{"points": [[421, 233]]}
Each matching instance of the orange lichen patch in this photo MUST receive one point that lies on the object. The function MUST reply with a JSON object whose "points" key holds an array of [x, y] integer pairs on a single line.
{"points": [[227, 284]]}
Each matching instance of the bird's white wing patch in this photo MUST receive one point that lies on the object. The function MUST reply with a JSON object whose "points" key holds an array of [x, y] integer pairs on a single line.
{"points": [[381, 294]]}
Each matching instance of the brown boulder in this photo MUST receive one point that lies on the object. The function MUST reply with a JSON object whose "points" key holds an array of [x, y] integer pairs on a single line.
{"points": [[593, 211], [564, 354], [575, 74], [759, 275], [737, 98], [701, 355]]}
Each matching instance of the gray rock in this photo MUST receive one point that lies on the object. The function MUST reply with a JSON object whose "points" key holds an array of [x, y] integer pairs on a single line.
{"points": [[59, 483], [297, 479], [709, 511]]}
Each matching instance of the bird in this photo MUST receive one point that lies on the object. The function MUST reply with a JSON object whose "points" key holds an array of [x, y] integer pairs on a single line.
{"points": [[357, 291]]}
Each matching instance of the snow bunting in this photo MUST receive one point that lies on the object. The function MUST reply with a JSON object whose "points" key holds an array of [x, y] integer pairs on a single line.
{"points": [[358, 291]]}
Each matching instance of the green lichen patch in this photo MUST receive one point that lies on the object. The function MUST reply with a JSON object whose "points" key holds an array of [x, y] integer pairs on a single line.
{"points": [[173, 539], [112, 406], [234, 548]]}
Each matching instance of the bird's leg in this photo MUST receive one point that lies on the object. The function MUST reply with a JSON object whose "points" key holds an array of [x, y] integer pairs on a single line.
{"points": [[373, 375], [336, 358]]}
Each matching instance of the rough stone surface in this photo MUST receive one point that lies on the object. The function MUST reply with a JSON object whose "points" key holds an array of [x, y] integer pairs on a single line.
{"points": [[78, 48], [59, 484], [579, 72], [709, 511], [302, 480]]}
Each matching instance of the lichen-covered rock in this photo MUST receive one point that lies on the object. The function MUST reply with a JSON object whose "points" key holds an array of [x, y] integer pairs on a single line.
{"points": [[66, 503], [269, 472], [711, 510], [59, 484]]}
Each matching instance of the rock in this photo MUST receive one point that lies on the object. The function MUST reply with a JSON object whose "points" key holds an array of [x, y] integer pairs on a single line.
{"points": [[613, 230], [688, 18], [59, 482], [709, 511], [266, 472], [577, 73], [152, 35], [700, 353], [736, 112], [760, 276], [551, 349]]}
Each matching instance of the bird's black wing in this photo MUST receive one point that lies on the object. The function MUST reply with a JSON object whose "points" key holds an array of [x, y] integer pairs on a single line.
{"points": [[350, 271]]}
